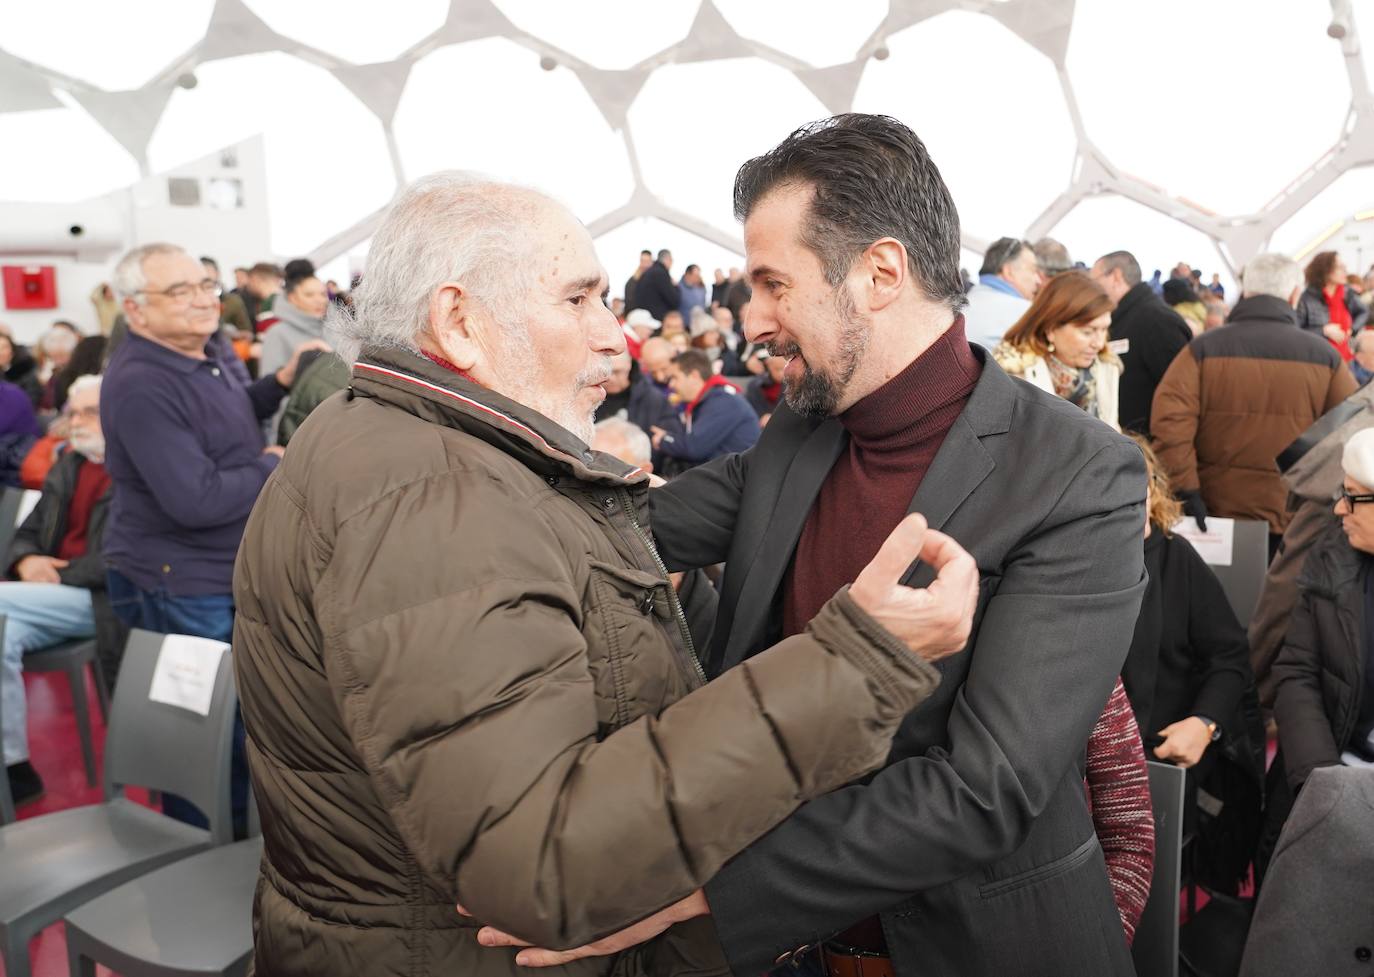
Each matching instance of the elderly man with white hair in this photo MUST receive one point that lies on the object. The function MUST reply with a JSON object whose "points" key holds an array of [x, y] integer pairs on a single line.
{"points": [[1237, 396], [57, 574], [465, 676]]}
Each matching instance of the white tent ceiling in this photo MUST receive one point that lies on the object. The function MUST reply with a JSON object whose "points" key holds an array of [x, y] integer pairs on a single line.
{"points": [[1160, 125]]}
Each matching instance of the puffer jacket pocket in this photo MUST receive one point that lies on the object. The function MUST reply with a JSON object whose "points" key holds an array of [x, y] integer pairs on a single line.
{"points": [[630, 657]]}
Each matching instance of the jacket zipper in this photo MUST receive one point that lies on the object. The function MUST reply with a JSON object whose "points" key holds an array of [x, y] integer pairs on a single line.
{"points": [[672, 591]]}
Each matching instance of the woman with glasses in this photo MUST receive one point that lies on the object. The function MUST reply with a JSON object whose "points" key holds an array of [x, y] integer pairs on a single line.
{"points": [[1324, 703], [1060, 345]]}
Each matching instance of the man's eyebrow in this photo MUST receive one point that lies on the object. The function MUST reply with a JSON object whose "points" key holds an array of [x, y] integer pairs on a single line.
{"points": [[763, 271], [586, 283]]}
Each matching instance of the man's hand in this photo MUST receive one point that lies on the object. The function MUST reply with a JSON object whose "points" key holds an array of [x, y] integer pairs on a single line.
{"points": [[656, 434], [1195, 507], [640, 932], [287, 374], [1333, 332], [274, 449], [935, 621], [39, 569], [1184, 741]]}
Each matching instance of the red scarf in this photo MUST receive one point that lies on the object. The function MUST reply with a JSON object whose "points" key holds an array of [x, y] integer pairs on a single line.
{"points": [[716, 381], [1340, 316]]}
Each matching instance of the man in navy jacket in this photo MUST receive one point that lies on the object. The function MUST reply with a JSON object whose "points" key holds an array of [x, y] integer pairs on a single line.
{"points": [[717, 420]]}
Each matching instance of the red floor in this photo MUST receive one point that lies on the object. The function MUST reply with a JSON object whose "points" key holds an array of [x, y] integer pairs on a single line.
{"points": [[55, 750]]}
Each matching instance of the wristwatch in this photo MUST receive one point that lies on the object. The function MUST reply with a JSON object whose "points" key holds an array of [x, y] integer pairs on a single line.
{"points": [[1213, 730]]}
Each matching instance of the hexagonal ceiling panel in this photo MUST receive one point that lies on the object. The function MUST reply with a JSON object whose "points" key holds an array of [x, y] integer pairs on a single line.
{"points": [[326, 155], [1168, 86], [65, 156], [360, 31], [113, 45], [777, 23], [948, 78], [446, 120], [1351, 193], [693, 168], [641, 29]]}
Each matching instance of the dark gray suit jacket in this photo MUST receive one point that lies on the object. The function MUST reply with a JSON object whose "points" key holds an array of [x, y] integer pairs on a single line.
{"points": [[975, 843]]}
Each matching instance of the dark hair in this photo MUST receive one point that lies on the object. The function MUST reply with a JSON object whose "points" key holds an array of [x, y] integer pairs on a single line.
{"points": [[87, 358], [691, 268], [294, 283], [206, 260], [1319, 269], [299, 268], [1177, 291], [1070, 296], [872, 178], [1124, 262], [664, 253], [695, 361], [1000, 252], [265, 268]]}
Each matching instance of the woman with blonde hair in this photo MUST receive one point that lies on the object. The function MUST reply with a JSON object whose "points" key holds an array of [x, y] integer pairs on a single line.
{"points": [[1060, 345]]}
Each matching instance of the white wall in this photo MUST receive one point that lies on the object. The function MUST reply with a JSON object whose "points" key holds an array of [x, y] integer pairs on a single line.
{"points": [[232, 237]]}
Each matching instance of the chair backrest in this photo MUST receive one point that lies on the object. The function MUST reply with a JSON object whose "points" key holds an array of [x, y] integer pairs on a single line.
{"points": [[11, 499], [1244, 578], [7, 814], [1155, 950], [168, 748]]}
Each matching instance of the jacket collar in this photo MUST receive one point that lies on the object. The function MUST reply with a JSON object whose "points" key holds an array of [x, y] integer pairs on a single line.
{"points": [[413, 383], [1262, 308], [1137, 294], [143, 348]]}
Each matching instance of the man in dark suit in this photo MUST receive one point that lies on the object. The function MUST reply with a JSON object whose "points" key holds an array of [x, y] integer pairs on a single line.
{"points": [[972, 853], [655, 290]]}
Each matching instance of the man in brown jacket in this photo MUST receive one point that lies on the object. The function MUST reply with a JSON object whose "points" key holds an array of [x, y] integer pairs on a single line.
{"points": [[464, 675], [1237, 396]]}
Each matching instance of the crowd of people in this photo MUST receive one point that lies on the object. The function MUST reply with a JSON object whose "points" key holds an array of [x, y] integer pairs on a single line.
{"points": [[990, 706]]}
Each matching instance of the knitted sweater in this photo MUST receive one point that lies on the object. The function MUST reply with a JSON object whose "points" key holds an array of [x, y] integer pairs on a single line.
{"points": [[1119, 795]]}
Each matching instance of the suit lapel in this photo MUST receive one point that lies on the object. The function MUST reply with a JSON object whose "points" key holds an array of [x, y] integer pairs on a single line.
{"points": [[959, 467], [802, 483]]}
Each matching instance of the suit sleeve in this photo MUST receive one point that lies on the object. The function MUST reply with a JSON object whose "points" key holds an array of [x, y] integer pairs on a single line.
{"points": [[1305, 736], [1218, 643], [694, 515], [1174, 421], [471, 704], [1044, 660]]}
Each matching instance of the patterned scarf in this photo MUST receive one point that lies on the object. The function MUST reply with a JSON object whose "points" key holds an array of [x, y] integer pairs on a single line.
{"points": [[1076, 386]]}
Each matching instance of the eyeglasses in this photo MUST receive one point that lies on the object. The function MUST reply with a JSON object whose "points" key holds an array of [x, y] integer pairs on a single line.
{"points": [[1351, 500], [182, 292], [86, 413]]}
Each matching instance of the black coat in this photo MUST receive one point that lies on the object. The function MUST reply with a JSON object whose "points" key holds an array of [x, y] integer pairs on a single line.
{"points": [[656, 292], [1320, 672], [1313, 312], [1156, 334], [1189, 655], [975, 843], [23, 373], [41, 533]]}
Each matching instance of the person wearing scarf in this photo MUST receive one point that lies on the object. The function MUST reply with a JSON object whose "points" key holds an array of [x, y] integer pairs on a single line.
{"points": [[1327, 308], [1060, 345]]}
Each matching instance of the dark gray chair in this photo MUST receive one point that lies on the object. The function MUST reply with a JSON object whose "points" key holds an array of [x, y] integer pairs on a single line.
{"points": [[72, 657], [1155, 949], [1244, 578], [193, 917], [52, 864]]}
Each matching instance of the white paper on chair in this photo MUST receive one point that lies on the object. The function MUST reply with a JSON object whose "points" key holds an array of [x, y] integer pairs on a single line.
{"points": [[185, 672], [27, 503], [1214, 546]]}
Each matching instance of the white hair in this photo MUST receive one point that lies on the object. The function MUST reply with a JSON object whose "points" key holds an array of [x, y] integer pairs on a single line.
{"points": [[87, 381], [638, 449], [447, 227], [129, 277], [1271, 274]]}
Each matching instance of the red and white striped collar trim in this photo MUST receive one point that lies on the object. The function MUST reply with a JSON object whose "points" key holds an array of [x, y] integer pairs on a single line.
{"points": [[455, 395]]}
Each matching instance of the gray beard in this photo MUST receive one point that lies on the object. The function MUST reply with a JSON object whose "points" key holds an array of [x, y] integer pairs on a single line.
{"points": [[817, 394]]}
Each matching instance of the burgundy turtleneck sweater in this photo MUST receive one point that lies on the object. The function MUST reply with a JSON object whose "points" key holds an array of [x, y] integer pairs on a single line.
{"points": [[894, 434]]}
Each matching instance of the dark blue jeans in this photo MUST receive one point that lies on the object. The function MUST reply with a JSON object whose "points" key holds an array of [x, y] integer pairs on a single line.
{"points": [[204, 616]]}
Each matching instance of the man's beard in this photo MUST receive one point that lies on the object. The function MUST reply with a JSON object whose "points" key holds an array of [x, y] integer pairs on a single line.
{"points": [[818, 393], [91, 447]]}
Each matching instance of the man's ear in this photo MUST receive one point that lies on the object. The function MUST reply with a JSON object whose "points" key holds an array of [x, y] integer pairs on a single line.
{"points": [[454, 328], [885, 268]]}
